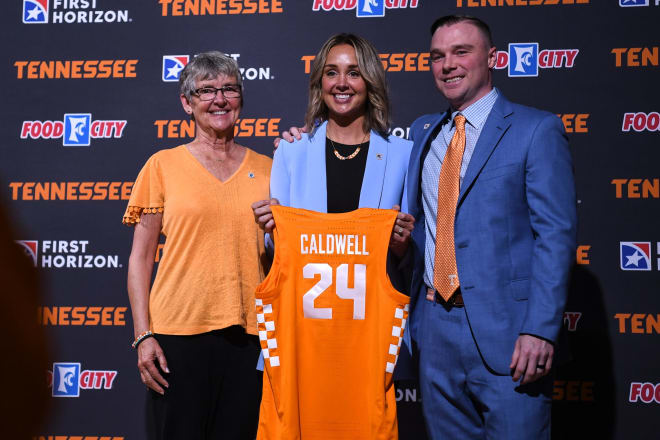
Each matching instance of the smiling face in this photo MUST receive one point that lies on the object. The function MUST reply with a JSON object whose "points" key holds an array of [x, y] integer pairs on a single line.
{"points": [[462, 63], [218, 115], [343, 89]]}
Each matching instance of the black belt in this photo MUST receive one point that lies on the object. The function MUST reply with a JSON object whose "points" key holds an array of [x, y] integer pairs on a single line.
{"points": [[456, 300]]}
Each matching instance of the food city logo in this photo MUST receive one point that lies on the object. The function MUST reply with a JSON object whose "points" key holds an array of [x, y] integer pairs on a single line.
{"points": [[525, 59], [645, 391], [71, 11], [485, 3], [639, 323], [634, 3], [76, 130], [522, 59], [363, 8], [66, 254], [174, 64], [640, 121], [636, 255], [392, 62], [75, 69], [635, 56], [82, 316], [67, 379], [636, 188], [245, 127], [179, 8]]}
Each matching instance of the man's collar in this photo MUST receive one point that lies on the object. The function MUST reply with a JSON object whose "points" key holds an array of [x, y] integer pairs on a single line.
{"points": [[477, 112]]}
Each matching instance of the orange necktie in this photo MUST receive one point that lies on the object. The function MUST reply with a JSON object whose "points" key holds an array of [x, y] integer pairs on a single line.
{"points": [[445, 273]]}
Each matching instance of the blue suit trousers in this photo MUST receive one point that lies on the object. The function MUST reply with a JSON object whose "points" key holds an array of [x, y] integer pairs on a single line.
{"points": [[461, 398]]}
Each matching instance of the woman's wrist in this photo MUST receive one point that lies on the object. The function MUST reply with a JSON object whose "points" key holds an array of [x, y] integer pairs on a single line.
{"points": [[141, 337]]}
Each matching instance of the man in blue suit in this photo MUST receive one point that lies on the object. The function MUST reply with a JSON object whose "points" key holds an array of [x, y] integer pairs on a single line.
{"points": [[487, 302]]}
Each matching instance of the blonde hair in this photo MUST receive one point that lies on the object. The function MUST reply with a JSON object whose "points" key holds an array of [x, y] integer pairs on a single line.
{"points": [[377, 114]]}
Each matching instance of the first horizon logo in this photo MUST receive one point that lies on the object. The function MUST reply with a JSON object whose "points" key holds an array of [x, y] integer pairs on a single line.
{"points": [[35, 11], [66, 254], [172, 66], [636, 255], [70, 11]]}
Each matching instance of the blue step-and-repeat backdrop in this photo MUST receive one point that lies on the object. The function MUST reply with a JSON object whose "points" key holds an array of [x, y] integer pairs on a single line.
{"points": [[90, 92]]}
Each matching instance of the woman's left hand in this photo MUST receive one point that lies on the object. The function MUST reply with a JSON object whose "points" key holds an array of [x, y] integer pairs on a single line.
{"points": [[403, 227]]}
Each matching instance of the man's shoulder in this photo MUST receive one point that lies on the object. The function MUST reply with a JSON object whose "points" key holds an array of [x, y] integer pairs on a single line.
{"points": [[529, 122], [521, 111]]}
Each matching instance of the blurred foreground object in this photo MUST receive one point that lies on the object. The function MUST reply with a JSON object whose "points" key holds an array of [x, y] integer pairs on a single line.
{"points": [[24, 348]]}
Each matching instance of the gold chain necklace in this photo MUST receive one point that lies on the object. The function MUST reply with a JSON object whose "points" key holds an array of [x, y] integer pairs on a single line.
{"points": [[350, 156]]}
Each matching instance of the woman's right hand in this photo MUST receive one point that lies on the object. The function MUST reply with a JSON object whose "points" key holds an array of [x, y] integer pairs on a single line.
{"points": [[263, 215], [148, 351]]}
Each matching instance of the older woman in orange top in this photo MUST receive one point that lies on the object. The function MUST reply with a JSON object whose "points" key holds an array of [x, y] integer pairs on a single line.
{"points": [[195, 326]]}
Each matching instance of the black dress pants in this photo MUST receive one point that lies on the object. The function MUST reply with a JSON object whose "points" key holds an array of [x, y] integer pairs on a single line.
{"points": [[214, 388]]}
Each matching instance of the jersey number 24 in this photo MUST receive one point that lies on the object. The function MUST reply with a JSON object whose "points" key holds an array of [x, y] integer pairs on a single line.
{"points": [[356, 293]]}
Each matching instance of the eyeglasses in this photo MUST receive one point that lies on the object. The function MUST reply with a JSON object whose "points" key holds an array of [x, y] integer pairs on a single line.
{"points": [[209, 93]]}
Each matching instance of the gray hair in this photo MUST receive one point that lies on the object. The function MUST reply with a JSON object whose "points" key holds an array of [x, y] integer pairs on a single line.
{"points": [[207, 65]]}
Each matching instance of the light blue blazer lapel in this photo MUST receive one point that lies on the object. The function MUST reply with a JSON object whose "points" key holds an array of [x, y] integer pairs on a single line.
{"points": [[374, 173], [495, 127], [316, 193]]}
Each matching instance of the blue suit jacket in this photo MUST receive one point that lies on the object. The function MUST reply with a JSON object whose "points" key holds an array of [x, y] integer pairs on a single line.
{"points": [[515, 227], [298, 176]]}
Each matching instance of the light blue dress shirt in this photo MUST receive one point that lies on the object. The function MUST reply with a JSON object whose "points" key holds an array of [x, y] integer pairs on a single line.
{"points": [[475, 116]]}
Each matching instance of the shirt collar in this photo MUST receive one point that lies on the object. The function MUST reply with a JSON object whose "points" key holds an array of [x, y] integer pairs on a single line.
{"points": [[477, 112]]}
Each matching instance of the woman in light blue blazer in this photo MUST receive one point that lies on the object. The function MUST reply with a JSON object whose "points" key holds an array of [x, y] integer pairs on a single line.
{"points": [[347, 160]]}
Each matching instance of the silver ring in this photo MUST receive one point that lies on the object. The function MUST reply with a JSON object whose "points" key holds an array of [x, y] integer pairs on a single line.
{"points": [[400, 230], [540, 367]]}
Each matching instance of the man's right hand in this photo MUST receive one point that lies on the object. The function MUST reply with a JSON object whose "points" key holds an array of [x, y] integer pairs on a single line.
{"points": [[289, 136], [148, 351], [263, 215]]}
